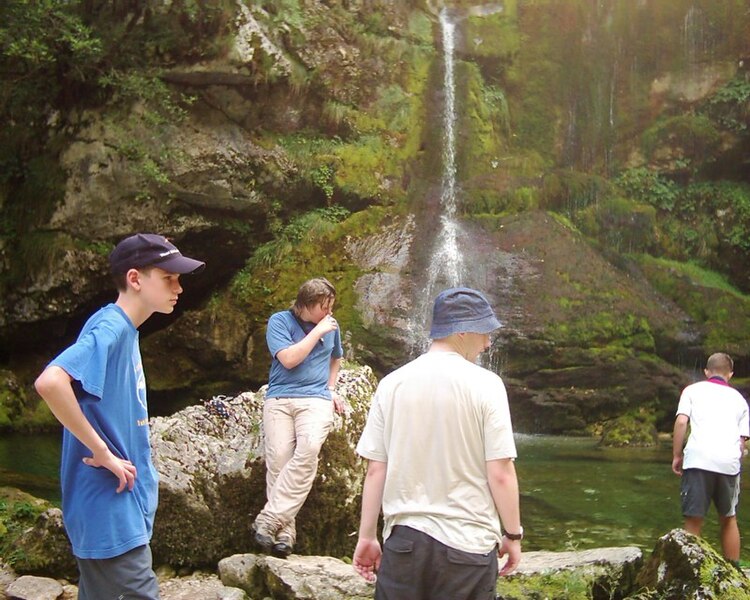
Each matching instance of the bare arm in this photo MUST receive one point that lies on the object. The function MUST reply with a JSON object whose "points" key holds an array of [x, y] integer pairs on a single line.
{"points": [[678, 442], [333, 375], [293, 355], [368, 552], [501, 477], [54, 386]]}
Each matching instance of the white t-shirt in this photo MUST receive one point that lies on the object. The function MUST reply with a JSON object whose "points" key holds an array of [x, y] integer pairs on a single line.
{"points": [[436, 421], [718, 419]]}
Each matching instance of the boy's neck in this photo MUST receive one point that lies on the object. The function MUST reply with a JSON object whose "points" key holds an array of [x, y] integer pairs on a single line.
{"points": [[132, 308]]}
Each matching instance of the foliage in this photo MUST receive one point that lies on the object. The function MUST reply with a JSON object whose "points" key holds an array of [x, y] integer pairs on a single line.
{"points": [[322, 178], [645, 185], [303, 228], [620, 224], [694, 135], [569, 191], [730, 105]]}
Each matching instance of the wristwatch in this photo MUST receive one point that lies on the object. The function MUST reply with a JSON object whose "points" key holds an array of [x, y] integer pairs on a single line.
{"points": [[514, 536]]}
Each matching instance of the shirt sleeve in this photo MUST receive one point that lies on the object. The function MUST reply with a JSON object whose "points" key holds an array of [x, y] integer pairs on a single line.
{"points": [[278, 334], [86, 360], [338, 349], [498, 429], [745, 420], [683, 408], [372, 443]]}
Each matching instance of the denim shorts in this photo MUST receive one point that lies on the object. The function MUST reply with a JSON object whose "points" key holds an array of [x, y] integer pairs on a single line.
{"points": [[698, 488], [129, 576], [416, 566]]}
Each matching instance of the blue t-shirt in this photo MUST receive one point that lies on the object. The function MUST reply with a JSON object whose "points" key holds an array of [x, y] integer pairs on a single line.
{"points": [[105, 364], [309, 379]]}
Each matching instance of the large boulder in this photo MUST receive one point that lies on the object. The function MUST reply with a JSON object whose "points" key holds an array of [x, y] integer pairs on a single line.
{"points": [[45, 547], [600, 574], [32, 536], [297, 578], [685, 567], [212, 478]]}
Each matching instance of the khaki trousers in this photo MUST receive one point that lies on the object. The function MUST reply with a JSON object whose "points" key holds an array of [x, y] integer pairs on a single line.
{"points": [[295, 429]]}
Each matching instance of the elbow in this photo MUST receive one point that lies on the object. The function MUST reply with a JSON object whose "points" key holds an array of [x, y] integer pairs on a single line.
{"points": [[44, 383], [48, 381]]}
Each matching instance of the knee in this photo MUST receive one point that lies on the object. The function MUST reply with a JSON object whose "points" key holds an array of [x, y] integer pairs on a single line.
{"points": [[308, 449]]}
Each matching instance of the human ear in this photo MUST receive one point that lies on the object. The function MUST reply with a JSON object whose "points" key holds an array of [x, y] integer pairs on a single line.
{"points": [[133, 278]]}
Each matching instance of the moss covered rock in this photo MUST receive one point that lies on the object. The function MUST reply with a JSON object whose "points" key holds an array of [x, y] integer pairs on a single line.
{"points": [[636, 428], [685, 567], [212, 478], [32, 536]]}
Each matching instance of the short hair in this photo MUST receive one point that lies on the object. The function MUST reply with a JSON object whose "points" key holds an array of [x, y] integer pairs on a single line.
{"points": [[720, 362], [313, 292], [121, 279]]}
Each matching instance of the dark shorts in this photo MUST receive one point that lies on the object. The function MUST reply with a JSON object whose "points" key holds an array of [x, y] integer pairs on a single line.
{"points": [[416, 566], [129, 576], [698, 488]]}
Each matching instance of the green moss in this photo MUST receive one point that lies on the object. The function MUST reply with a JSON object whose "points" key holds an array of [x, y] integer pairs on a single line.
{"points": [[494, 36], [636, 428], [571, 585], [722, 310], [483, 125], [695, 135], [272, 276], [620, 224], [18, 512], [602, 328]]}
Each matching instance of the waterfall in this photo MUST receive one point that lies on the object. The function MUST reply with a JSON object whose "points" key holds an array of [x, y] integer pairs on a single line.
{"points": [[693, 36], [447, 260], [446, 267]]}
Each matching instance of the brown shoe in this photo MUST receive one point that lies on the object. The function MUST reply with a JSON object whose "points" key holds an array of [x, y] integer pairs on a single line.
{"points": [[263, 535], [283, 546]]}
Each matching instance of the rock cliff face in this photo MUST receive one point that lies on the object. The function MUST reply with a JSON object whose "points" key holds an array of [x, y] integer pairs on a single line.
{"points": [[307, 142]]}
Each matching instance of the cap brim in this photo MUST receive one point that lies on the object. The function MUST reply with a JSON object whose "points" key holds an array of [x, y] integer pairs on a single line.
{"points": [[181, 264]]}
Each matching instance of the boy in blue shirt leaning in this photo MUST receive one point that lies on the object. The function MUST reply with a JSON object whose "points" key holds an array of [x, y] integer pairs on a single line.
{"points": [[96, 388], [306, 351]]}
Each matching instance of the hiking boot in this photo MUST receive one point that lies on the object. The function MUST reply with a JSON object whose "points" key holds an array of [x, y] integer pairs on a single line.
{"points": [[264, 535], [283, 546]]}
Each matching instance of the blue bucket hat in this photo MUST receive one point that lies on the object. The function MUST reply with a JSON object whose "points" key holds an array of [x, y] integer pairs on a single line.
{"points": [[461, 310]]}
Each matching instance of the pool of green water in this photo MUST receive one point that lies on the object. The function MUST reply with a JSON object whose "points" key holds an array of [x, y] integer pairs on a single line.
{"points": [[574, 495]]}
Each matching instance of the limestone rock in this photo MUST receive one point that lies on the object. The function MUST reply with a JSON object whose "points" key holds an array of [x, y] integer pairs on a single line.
{"points": [[205, 587], [684, 567], [7, 576], [29, 587], [212, 478], [45, 547], [606, 572], [296, 578]]}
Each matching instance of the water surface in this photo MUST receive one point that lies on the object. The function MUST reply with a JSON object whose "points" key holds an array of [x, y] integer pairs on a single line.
{"points": [[574, 495]]}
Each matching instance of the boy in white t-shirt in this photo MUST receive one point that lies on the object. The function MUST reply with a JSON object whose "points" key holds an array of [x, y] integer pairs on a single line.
{"points": [[710, 462]]}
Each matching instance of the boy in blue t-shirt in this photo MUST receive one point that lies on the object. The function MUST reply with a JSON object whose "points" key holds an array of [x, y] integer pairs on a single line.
{"points": [[97, 390], [306, 351]]}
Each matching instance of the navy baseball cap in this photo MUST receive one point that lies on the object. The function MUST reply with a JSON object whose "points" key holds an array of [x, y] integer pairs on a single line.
{"points": [[461, 310], [151, 250]]}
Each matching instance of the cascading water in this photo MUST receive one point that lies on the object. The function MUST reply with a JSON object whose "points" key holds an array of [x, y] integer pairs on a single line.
{"points": [[446, 267], [693, 36]]}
